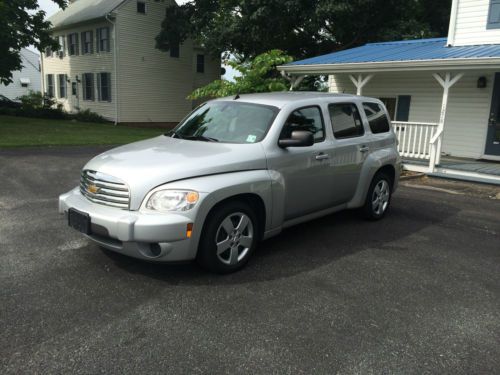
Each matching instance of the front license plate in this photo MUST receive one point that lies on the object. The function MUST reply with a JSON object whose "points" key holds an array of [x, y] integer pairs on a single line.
{"points": [[79, 220]]}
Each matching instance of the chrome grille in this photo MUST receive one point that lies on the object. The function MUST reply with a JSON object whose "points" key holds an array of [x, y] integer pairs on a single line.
{"points": [[104, 189]]}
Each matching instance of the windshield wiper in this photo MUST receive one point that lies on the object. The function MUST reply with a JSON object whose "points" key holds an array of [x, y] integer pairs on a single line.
{"points": [[175, 134]]}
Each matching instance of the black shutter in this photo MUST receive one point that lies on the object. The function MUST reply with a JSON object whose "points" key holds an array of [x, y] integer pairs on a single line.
{"points": [[91, 41], [97, 40], [403, 110], [109, 39]]}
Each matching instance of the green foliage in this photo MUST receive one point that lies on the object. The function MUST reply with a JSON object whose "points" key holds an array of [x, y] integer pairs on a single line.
{"points": [[36, 100], [258, 75], [23, 24], [301, 28], [88, 116], [38, 105]]}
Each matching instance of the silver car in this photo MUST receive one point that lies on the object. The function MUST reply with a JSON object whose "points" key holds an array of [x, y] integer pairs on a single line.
{"points": [[234, 172]]}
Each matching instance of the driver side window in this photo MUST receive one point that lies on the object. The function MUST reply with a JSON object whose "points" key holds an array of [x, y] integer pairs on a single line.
{"points": [[308, 118]]}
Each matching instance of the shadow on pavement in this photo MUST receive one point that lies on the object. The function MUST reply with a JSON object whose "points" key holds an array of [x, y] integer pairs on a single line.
{"points": [[304, 247]]}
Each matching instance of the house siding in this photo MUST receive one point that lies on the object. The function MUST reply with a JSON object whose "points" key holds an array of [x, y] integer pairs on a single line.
{"points": [[468, 106], [31, 66], [153, 86], [471, 24], [77, 65]]}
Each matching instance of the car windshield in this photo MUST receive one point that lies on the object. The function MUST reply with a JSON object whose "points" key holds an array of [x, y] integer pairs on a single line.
{"points": [[229, 122]]}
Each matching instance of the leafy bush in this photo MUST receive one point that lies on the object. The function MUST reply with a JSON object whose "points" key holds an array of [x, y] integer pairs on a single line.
{"points": [[88, 116], [258, 75], [36, 100]]}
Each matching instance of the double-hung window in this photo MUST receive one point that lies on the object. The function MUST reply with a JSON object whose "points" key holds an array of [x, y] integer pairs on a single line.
{"points": [[87, 42], [73, 44], [62, 46], [494, 15], [50, 85], [103, 39], [200, 63], [104, 87], [88, 86], [61, 78], [175, 50]]}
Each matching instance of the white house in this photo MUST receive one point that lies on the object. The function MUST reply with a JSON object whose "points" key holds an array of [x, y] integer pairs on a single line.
{"points": [[443, 94], [108, 63], [25, 80]]}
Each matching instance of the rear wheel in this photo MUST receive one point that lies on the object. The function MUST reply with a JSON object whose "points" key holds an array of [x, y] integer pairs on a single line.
{"points": [[229, 238], [378, 198]]}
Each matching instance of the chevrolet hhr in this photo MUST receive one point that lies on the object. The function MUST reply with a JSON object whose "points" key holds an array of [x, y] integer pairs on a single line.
{"points": [[234, 172]]}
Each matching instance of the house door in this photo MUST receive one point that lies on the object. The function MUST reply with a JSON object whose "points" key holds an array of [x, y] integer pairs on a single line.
{"points": [[493, 137]]}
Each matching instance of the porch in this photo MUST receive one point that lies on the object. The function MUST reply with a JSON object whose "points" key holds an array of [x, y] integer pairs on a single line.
{"points": [[417, 146]]}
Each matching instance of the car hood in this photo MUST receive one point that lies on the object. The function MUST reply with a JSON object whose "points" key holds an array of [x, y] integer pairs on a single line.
{"points": [[147, 164]]}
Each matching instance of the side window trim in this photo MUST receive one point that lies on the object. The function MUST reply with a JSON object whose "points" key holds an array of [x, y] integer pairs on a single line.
{"points": [[360, 117], [318, 107]]}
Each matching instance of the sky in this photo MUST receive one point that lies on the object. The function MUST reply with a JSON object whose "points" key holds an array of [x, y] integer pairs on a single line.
{"points": [[50, 8]]}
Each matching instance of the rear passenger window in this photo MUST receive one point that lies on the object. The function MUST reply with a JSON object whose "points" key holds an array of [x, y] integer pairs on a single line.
{"points": [[376, 118], [309, 119], [346, 121]]}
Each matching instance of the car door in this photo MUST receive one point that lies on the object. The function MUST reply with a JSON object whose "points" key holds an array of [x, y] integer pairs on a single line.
{"points": [[350, 149], [304, 170]]}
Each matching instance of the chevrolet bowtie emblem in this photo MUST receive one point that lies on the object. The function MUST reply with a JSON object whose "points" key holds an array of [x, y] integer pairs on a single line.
{"points": [[92, 189]]}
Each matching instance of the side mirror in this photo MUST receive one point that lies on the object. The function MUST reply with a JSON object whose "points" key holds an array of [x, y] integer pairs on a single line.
{"points": [[299, 138]]}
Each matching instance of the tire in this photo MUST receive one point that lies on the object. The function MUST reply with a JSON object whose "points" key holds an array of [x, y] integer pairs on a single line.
{"points": [[378, 198], [230, 236]]}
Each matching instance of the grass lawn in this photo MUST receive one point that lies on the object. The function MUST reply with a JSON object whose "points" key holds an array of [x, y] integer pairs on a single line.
{"points": [[23, 132]]}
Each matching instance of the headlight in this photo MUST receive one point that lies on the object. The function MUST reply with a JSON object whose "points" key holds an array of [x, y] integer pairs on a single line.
{"points": [[172, 200]]}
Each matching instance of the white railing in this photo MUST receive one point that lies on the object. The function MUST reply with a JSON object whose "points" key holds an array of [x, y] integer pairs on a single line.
{"points": [[417, 139]]}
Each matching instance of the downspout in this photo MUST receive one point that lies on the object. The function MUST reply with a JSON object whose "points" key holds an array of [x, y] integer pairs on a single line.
{"points": [[453, 23], [115, 77]]}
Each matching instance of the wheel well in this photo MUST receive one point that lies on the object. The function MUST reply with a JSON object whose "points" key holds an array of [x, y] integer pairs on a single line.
{"points": [[255, 202], [389, 171]]}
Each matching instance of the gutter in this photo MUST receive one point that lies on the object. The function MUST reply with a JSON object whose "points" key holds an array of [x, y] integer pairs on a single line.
{"points": [[392, 66], [115, 53]]}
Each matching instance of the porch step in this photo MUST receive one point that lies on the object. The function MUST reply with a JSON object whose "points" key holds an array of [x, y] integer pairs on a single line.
{"points": [[465, 176]]}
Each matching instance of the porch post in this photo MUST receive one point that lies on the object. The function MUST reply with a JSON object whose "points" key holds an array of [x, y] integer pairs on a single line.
{"points": [[360, 82], [446, 84], [295, 81]]}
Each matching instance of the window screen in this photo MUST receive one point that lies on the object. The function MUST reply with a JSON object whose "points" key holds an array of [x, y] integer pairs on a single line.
{"points": [[141, 7], [377, 119], [494, 15], [200, 63], [346, 121], [62, 85], [50, 85], [88, 86], [309, 119], [104, 86]]}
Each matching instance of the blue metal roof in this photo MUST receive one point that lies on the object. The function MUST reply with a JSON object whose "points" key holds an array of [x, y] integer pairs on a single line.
{"points": [[405, 50]]}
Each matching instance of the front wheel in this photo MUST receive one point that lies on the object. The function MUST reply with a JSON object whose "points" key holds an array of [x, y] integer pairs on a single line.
{"points": [[229, 238], [378, 197]]}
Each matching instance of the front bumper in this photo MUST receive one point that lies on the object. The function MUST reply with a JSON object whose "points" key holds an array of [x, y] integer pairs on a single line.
{"points": [[152, 236]]}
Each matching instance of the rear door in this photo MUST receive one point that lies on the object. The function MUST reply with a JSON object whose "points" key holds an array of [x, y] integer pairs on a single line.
{"points": [[350, 149]]}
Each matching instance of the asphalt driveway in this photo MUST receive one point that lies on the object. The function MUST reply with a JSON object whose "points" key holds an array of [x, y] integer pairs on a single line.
{"points": [[418, 292]]}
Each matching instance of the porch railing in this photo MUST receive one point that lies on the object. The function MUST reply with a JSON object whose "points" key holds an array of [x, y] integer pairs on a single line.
{"points": [[418, 139]]}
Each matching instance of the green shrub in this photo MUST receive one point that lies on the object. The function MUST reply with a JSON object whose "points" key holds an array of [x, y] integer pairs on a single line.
{"points": [[88, 116]]}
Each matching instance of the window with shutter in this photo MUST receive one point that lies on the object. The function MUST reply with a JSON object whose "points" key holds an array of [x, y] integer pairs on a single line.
{"points": [[88, 86]]}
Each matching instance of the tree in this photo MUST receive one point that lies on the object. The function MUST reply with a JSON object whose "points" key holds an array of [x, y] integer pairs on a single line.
{"points": [[23, 24], [258, 75], [301, 28]]}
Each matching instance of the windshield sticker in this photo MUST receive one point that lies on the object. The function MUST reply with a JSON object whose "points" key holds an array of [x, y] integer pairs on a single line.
{"points": [[251, 138]]}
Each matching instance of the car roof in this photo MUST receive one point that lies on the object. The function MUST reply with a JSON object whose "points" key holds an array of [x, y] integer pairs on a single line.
{"points": [[280, 99]]}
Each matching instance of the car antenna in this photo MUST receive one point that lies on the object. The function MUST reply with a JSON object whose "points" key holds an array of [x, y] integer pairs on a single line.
{"points": [[237, 97]]}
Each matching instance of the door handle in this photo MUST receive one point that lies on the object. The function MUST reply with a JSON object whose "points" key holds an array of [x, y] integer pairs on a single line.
{"points": [[322, 156], [364, 149]]}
